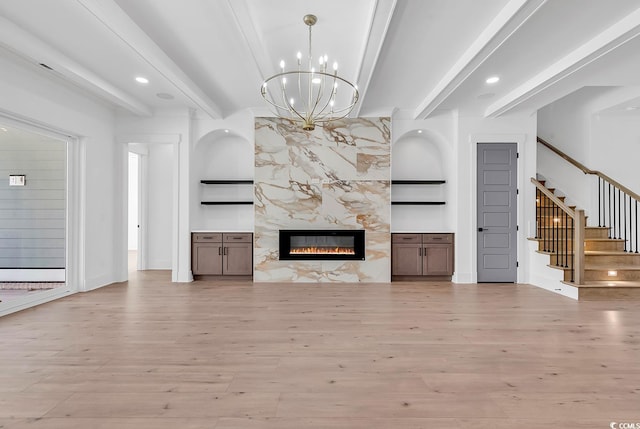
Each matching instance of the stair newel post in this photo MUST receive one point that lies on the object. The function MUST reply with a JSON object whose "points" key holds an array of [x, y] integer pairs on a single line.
{"points": [[578, 254]]}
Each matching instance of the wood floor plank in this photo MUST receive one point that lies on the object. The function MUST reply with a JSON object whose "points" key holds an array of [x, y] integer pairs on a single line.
{"points": [[149, 353]]}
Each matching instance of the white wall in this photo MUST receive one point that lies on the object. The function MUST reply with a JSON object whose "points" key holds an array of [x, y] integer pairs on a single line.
{"points": [[615, 149], [27, 94], [423, 150], [160, 206], [566, 125], [220, 155], [607, 142]]}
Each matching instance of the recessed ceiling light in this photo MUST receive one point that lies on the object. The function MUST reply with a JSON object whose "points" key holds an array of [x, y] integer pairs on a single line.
{"points": [[226, 131], [492, 79], [3, 129], [141, 79], [419, 131], [165, 96]]}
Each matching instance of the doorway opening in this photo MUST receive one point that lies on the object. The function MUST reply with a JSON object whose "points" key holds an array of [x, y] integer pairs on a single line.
{"points": [[33, 213], [133, 238]]}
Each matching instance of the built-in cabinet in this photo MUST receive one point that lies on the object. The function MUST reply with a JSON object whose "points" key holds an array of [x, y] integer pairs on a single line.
{"points": [[422, 256], [222, 253]]}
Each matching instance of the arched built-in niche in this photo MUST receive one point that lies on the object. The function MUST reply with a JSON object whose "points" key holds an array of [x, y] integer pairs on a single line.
{"points": [[222, 156], [420, 192]]}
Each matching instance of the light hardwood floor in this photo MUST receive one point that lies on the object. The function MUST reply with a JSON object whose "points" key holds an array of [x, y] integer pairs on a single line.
{"points": [[236, 355]]}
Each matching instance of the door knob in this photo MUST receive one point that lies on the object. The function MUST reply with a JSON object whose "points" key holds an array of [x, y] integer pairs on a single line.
{"points": [[483, 229]]}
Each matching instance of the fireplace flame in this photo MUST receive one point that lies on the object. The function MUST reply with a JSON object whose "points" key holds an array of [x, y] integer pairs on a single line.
{"points": [[323, 251]]}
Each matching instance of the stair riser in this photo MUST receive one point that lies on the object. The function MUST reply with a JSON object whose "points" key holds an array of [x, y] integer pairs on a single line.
{"points": [[560, 232], [561, 260], [624, 260], [613, 246], [608, 294], [560, 245], [596, 233], [624, 275]]}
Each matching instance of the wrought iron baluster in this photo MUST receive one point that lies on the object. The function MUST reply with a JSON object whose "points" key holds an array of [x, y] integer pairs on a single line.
{"points": [[573, 260], [566, 240], [625, 221], [619, 220], [538, 203], [610, 223], [600, 208]]}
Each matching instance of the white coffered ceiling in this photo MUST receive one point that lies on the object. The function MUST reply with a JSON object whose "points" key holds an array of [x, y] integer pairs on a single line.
{"points": [[419, 56]]}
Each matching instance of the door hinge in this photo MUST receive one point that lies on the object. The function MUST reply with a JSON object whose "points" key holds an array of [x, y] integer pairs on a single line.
{"points": [[517, 191], [517, 264], [517, 154], [517, 227]]}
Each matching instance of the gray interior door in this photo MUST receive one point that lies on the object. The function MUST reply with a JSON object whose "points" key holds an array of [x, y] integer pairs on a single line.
{"points": [[497, 212]]}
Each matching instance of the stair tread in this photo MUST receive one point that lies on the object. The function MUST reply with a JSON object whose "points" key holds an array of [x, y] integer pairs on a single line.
{"points": [[594, 253], [610, 252], [605, 239]]}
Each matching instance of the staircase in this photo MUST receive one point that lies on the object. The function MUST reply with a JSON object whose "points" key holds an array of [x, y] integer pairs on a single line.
{"points": [[599, 262]]}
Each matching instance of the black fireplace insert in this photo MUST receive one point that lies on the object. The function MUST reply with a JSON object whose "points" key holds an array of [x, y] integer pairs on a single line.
{"points": [[322, 244]]}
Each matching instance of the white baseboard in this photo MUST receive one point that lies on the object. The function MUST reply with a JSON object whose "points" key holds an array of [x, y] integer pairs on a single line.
{"points": [[31, 275], [31, 300]]}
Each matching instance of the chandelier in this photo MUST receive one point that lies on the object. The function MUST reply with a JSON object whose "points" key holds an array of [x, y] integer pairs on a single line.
{"points": [[311, 95]]}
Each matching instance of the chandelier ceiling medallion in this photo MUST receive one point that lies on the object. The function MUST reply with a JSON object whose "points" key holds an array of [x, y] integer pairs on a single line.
{"points": [[313, 95]]}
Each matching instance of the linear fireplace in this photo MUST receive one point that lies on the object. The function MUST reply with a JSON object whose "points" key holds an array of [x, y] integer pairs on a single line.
{"points": [[322, 244]]}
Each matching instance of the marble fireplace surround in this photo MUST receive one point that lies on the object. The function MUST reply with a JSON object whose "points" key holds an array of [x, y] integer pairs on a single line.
{"points": [[335, 177]]}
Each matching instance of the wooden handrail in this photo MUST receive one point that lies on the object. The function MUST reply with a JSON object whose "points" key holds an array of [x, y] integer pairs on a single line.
{"points": [[586, 170], [557, 201]]}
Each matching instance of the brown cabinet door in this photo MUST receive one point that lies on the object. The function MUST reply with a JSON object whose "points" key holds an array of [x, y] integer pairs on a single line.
{"points": [[437, 260], [406, 259], [238, 259], [206, 258]]}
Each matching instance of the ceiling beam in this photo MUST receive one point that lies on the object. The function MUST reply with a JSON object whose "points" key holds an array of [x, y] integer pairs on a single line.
{"points": [[242, 18], [124, 28], [26, 45], [240, 11], [506, 23], [381, 18], [615, 36]]}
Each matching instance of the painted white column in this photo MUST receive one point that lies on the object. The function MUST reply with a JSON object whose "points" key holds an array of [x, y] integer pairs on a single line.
{"points": [[181, 269]]}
